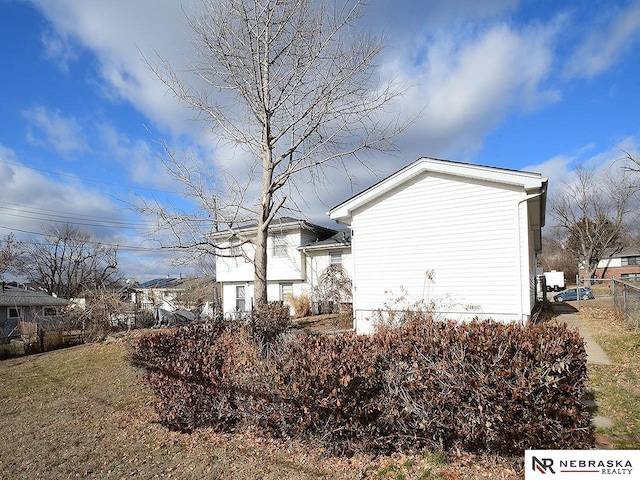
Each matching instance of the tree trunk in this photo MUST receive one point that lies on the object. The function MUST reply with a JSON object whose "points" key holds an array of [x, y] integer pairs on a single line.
{"points": [[260, 265]]}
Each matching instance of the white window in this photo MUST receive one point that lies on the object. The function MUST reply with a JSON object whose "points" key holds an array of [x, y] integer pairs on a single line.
{"points": [[14, 312], [241, 303], [336, 258], [279, 245], [236, 248], [286, 292]]}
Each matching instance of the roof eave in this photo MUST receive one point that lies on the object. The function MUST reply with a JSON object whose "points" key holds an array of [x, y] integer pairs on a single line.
{"points": [[528, 180]]}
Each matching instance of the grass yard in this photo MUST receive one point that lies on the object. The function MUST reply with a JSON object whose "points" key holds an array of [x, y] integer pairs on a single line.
{"points": [[617, 386], [84, 412]]}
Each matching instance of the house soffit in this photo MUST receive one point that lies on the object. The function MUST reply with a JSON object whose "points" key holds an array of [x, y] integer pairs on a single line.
{"points": [[278, 226], [529, 182]]}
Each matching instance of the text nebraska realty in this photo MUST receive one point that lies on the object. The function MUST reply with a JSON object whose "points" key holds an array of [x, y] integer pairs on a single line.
{"points": [[605, 467]]}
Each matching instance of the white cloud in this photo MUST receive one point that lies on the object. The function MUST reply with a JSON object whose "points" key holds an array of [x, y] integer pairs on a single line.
{"points": [[603, 47], [469, 80], [137, 158], [121, 33], [51, 129], [30, 199], [559, 168], [59, 49], [470, 72]]}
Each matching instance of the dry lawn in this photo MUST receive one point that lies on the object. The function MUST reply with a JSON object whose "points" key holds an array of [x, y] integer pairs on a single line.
{"points": [[83, 412], [617, 386]]}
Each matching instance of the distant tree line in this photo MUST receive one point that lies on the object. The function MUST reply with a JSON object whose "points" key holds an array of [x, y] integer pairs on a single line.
{"points": [[595, 213], [66, 261]]}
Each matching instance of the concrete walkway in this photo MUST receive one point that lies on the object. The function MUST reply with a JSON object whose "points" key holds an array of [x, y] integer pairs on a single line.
{"points": [[595, 353]]}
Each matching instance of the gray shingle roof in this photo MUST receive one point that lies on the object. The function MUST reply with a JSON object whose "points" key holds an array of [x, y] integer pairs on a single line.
{"points": [[341, 239], [19, 297]]}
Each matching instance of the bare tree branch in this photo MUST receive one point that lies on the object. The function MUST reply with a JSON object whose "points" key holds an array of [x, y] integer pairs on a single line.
{"points": [[295, 85], [593, 209]]}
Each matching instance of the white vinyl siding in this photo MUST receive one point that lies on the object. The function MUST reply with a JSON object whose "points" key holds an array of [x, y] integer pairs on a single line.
{"points": [[462, 232], [284, 260]]}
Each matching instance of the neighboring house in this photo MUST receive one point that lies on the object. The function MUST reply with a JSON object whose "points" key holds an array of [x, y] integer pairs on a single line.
{"points": [[171, 293], [18, 304], [624, 264], [463, 236], [297, 254]]}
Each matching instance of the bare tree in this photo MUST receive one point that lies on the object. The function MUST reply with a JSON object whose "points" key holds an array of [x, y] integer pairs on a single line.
{"points": [[632, 163], [67, 261], [593, 209], [556, 256], [293, 83], [8, 254], [334, 287]]}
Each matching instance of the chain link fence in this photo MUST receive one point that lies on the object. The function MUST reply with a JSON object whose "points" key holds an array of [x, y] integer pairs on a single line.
{"points": [[626, 299]]}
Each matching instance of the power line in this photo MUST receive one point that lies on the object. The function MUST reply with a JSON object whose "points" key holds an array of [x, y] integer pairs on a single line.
{"points": [[122, 185], [87, 220], [121, 247]]}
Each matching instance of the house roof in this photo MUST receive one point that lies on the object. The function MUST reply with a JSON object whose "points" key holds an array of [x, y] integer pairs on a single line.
{"points": [[532, 183], [621, 253], [173, 282], [162, 282], [281, 224], [341, 239], [19, 297]]}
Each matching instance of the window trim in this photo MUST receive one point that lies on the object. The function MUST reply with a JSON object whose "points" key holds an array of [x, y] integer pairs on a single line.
{"points": [[279, 245], [284, 285], [241, 300]]}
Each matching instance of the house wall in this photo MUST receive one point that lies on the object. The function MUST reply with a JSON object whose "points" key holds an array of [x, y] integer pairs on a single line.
{"points": [[617, 271], [274, 293], [34, 314], [610, 263], [283, 265], [614, 268], [318, 261], [439, 238]]}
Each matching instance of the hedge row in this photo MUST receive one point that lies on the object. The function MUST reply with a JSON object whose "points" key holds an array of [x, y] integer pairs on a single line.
{"points": [[479, 386]]}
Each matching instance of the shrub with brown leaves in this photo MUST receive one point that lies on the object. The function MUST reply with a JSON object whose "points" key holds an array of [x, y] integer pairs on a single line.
{"points": [[478, 387]]}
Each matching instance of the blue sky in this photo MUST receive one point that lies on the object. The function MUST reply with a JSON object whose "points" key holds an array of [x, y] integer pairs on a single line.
{"points": [[535, 85]]}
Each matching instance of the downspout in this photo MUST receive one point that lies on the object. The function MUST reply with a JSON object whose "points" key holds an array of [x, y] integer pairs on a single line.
{"points": [[525, 199]]}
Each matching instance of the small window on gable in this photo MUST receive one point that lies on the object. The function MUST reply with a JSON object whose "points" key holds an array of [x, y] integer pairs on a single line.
{"points": [[235, 247], [336, 258], [279, 245]]}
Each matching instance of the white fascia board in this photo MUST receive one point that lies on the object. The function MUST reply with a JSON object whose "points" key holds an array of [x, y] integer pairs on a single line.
{"points": [[530, 182]]}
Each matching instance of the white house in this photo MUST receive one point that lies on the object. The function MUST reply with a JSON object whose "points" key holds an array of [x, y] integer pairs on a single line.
{"points": [[463, 236], [297, 254], [171, 293]]}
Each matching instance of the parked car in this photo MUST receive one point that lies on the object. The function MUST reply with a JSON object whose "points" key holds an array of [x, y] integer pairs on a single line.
{"points": [[572, 294]]}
